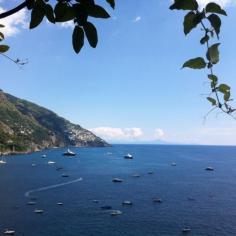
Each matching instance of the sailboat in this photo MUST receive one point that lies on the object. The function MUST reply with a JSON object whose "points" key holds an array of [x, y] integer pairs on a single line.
{"points": [[69, 153]]}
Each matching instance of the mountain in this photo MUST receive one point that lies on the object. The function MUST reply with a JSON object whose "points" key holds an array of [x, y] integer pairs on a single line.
{"points": [[25, 127]]}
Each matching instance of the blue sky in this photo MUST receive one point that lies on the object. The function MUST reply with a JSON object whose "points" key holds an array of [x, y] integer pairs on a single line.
{"points": [[130, 88]]}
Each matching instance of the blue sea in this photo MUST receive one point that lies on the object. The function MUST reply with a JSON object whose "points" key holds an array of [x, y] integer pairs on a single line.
{"points": [[192, 197]]}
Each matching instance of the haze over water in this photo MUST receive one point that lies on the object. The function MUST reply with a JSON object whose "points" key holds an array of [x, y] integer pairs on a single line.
{"points": [[211, 210]]}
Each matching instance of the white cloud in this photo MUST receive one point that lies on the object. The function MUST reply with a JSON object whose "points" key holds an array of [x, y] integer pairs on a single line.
{"points": [[14, 23], [222, 3], [111, 133], [137, 19], [159, 134], [67, 24]]}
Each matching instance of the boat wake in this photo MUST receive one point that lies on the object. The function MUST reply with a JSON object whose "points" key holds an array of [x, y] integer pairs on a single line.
{"points": [[27, 194]]}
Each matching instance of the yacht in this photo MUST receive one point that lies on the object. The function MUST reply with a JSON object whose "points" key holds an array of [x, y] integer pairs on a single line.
{"points": [[117, 180], [69, 153], [127, 203], [128, 156], [158, 200], [116, 213], [209, 168], [51, 162], [9, 232], [186, 230], [38, 211]]}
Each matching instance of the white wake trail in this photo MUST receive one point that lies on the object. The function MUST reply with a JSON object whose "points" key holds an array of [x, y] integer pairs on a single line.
{"points": [[27, 194]]}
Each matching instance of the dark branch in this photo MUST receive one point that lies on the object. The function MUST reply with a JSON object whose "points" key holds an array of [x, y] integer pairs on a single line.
{"points": [[14, 10]]}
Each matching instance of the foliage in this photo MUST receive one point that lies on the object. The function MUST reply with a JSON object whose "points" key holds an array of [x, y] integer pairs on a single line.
{"points": [[210, 22]]}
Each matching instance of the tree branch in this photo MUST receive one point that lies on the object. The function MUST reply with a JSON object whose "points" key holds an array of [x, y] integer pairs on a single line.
{"points": [[14, 10]]}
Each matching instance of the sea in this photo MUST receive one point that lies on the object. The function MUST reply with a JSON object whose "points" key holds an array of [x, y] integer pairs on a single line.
{"points": [[191, 197]]}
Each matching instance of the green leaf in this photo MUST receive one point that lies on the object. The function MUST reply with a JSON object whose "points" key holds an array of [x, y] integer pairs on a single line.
{"points": [[213, 78], [184, 5], [227, 96], [204, 39], [224, 88], [4, 48], [212, 101], [195, 63], [215, 8], [215, 23], [97, 12], [78, 39], [1, 36], [213, 53], [63, 12], [112, 3], [91, 34], [49, 13], [37, 15], [191, 20]]}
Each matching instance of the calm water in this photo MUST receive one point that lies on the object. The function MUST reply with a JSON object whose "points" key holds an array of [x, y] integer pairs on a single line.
{"points": [[212, 213]]}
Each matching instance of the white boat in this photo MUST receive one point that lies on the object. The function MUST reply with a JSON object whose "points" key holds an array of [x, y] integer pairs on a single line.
{"points": [[59, 203], [136, 175], [69, 153], [117, 180], [38, 211], [186, 230], [44, 156], [127, 203], [31, 203], [128, 156], [2, 161], [64, 175], [33, 164], [209, 168], [51, 162], [116, 213], [9, 232], [158, 200], [173, 164]]}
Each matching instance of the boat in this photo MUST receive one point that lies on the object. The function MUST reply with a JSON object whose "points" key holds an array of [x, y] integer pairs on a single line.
{"points": [[60, 204], [33, 164], [51, 162], [64, 175], [95, 201], [38, 211], [136, 175], [186, 230], [44, 156], [158, 200], [9, 232], [2, 161], [106, 207], [69, 153], [117, 180], [173, 164], [59, 168], [115, 213], [128, 156], [150, 172], [209, 168], [127, 203], [31, 203]]}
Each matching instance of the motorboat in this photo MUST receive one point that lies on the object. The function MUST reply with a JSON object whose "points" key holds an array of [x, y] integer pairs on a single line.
{"points": [[44, 156], [150, 172], [186, 230], [69, 153], [127, 203], [115, 213], [33, 164], [64, 175], [136, 175], [106, 207], [38, 211], [51, 162], [209, 168], [128, 156], [2, 161], [31, 203], [117, 180], [173, 164], [60, 204], [158, 200], [9, 232]]}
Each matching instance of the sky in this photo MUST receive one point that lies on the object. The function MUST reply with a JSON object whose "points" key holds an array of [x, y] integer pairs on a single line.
{"points": [[131, 88]]}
